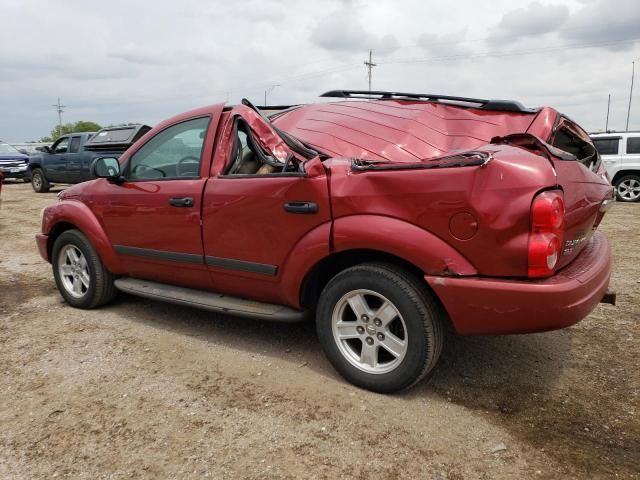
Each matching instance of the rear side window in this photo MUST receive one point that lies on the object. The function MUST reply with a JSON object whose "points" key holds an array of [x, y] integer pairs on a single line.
{"points": [[74, 146], [633, 145], [607, 146]]}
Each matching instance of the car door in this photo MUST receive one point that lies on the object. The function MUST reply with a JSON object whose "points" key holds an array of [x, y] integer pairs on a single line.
{"points": [[152, 219], [73, 160], [252, 222], [609, 149], [56, 160]]}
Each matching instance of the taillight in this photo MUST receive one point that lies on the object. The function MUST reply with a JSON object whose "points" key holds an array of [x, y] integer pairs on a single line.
{"points": [[545, 236]]}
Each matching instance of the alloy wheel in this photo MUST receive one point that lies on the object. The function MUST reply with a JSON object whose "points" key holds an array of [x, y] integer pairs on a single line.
{"points": [[74, 271], [369, 331]]}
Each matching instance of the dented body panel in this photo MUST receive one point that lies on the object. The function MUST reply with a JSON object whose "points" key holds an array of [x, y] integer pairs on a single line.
{"points": [[445, 189]]}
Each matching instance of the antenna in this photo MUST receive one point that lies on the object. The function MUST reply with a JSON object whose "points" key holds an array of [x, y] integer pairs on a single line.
{"points": [[59, 108], [370, 66]]}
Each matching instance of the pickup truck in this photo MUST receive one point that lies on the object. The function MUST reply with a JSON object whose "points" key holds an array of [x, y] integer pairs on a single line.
{"points": [[70, 157], [386, 216]]}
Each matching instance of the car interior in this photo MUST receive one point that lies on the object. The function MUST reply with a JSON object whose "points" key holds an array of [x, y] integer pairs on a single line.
{"points": [[248, 157]]}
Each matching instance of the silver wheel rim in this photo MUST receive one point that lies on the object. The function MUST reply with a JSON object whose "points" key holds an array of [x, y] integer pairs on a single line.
{"points": [[36, 180], [73, 271], [629, 189], [369, 331]]}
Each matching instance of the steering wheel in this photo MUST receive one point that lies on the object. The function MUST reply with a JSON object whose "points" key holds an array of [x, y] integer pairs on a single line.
{"points": [[193, 160], [145, 168]]}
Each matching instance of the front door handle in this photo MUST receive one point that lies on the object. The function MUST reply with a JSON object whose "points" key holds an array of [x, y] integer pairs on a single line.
{"points": [[301, 207], [181, 202]]}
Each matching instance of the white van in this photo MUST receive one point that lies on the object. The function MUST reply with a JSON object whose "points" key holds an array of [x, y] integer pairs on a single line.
{"points": [[620, 152]]}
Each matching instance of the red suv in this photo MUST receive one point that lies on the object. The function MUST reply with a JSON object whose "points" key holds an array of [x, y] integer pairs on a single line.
{"points": [[385, 215]]}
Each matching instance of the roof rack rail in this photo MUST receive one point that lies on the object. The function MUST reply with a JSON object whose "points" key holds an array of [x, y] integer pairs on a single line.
{"points": [[484, 104]]}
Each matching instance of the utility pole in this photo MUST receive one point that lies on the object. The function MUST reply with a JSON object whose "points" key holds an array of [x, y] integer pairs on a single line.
{"points": [[268, 91], [633, 70], [370, 66], [59, 108], [606, 126]]}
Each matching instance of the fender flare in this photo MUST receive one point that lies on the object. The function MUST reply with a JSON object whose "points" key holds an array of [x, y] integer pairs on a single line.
{"points": [[414, 244], [379, 233], [81, 217], [308, 251]]}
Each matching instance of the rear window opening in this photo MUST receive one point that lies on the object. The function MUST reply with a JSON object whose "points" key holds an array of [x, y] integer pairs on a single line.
{"points": [[576, 143]]}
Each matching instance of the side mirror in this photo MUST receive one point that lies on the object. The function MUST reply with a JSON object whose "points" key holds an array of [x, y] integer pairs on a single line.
{"points": [[23, 151], [44, 149], [107, 167]]}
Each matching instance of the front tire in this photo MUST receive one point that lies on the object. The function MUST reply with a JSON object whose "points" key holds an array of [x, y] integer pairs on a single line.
{"points": [[628, 188], [82, 279], [380, 327], [39, 182]]}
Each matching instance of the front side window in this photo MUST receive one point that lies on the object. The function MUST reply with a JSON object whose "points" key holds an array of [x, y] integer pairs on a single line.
{"points": [[62, 146], [74, 147], [633, 145], [173, 153], [607, 146]]}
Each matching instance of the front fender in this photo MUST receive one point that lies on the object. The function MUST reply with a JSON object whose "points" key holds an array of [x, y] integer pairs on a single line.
{"points": [[386, 234], [80, 216]]}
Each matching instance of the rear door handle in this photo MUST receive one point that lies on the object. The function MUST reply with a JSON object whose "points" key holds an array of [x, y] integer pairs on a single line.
{"points": [[301, 207], [181, 202]]}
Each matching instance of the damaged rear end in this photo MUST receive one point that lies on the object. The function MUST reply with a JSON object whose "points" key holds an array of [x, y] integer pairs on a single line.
{"points": [[517, 193]]}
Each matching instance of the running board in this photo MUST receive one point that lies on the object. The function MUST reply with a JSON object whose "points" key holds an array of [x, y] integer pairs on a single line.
{"points": [[205, 300]]}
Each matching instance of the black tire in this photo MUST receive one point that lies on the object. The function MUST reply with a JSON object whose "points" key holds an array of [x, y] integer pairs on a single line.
{"points": [[419, 311], [623, 183], [100, 289], [39, 182]]}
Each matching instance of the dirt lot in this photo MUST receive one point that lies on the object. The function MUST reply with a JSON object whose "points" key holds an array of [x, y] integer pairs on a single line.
{"points": [[148, 390]]}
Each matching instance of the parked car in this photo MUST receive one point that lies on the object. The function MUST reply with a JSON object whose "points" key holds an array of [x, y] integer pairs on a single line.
{"points": [[386, 217], [13, 163], [620, 153], [69, 159]]}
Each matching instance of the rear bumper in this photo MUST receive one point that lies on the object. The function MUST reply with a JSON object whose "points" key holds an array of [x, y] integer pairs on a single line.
{"points": [[488, 306], [41, 241]]}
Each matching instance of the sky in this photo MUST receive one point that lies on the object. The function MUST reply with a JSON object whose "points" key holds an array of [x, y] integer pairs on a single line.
{"points": [[122, 61]]}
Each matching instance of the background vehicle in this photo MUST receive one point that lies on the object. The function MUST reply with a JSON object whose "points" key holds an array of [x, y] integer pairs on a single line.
{"points": [[387, 217], [13, 163], [69, 159], [620, 153]]}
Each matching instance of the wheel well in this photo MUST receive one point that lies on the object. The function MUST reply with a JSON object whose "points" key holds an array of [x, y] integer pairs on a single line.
{"points": [[622, 173], [57, 230], [326, 269]]}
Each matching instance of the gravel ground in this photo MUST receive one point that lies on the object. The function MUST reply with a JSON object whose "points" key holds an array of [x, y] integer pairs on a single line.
{"points": [[148, 390]]}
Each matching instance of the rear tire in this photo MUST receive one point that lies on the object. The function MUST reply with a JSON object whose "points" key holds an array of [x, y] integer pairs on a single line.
{"points": [[380, 327], [628, 188], [39, 182], [82, 279]]}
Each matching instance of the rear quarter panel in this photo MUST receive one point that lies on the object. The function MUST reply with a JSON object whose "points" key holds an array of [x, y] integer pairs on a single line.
{"points": [[497, 196]]}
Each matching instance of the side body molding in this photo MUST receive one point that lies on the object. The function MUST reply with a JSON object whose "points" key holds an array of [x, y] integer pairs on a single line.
{"points": [[402, 239], [78, 214]]}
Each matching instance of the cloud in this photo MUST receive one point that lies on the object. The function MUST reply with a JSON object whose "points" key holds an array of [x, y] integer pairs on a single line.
{"points": [[445, 45], [343, 31], [604, 21], [534, 20]]}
